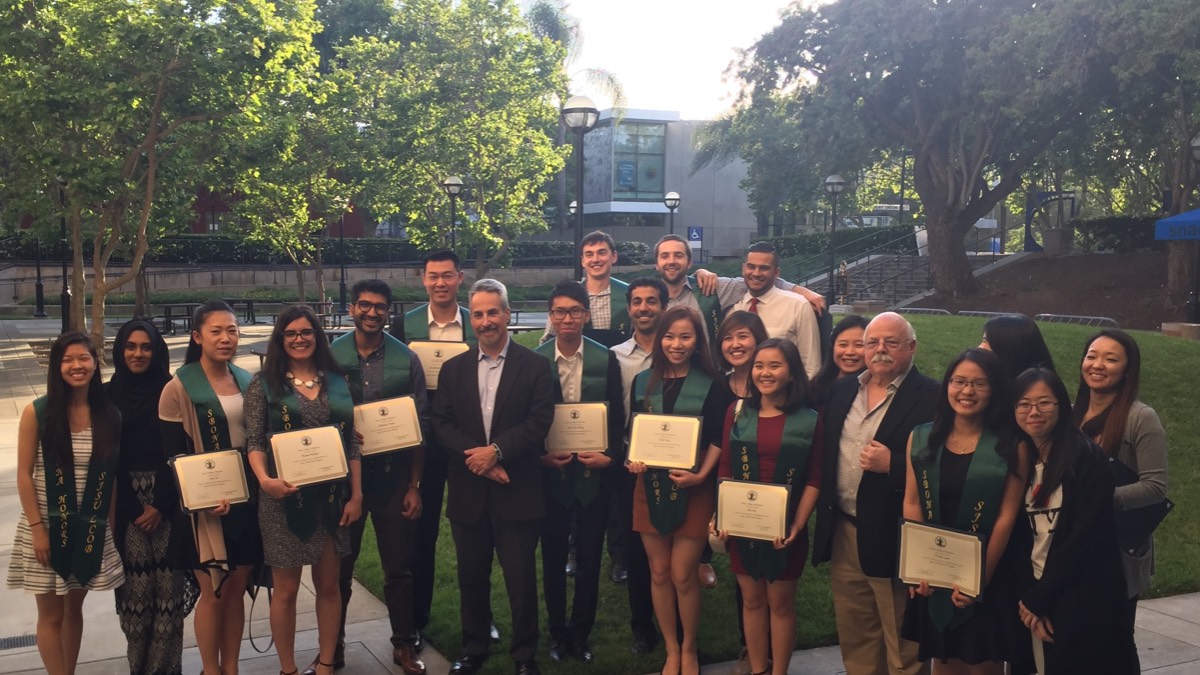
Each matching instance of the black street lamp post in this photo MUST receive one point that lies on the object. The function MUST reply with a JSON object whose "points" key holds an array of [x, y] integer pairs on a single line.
{"points": [[1193, 304], [579, 114], [342, 256], [39, 292], [833, 186], [453, 187], [671, 201], [65, 297]]}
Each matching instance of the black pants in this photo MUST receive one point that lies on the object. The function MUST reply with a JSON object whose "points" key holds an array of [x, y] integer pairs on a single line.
{"points": [[591, 523], [424, 558], [394, 536], [515, 544]]}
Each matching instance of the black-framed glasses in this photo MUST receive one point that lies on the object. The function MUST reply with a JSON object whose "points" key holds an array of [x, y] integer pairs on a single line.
{"points": [[560, 313], [379, 307], [1042, 406], [962, 383], [293, 335]]}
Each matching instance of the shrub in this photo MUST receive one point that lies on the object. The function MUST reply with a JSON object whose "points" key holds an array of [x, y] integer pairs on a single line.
{"points": [[1119, 234]]}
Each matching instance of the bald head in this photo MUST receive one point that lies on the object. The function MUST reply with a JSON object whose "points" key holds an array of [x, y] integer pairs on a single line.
{"points": [[890, 345]]}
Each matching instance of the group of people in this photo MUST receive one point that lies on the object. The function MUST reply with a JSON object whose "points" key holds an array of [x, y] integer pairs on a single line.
{"points": [[864, 439]]}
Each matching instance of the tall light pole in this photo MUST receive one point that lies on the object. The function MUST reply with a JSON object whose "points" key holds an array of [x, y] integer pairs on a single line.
{"points": [[342, 256], [903, 166], [64, 298], [453, 187], [39, 292], [833, 186], [671, 201], [1193, 304], [579, 115]]}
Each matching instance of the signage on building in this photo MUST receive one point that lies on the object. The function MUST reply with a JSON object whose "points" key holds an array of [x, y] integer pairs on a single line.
{"points": [[626, 174], [696, 237]]}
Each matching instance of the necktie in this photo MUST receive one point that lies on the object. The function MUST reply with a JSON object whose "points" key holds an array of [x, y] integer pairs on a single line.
{"points": [[754, 305]]}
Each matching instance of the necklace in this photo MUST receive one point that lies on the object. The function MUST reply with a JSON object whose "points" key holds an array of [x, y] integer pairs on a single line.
{"points": [[308, 384]]}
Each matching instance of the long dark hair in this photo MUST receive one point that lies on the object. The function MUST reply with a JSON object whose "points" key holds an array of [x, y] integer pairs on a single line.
{"points": [[829, 372], [56, 427], [1066, 440], [1015, 338], [997, 416], [736, 320], [798, 391], [701, 356], [275, 366], [1115, 417], [194, 350]]}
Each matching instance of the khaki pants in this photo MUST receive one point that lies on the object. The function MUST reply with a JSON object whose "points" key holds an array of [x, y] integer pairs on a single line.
{"points": [[868, 611]]}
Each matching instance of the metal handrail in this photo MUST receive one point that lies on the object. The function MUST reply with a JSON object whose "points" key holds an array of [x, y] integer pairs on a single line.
{"points": [[919, 262], [803, 262]]}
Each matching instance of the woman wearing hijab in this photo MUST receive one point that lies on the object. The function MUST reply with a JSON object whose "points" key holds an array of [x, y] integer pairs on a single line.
{"points": [[155, 598]]}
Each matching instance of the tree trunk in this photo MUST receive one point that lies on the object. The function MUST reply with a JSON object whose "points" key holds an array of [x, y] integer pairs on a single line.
{"points": [[483, 264], [1181, 256], [78, 282], [952, 275], [140, 293]]}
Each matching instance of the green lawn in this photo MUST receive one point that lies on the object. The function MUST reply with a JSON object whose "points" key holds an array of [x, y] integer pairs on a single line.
{"points": [[1167, 365]]}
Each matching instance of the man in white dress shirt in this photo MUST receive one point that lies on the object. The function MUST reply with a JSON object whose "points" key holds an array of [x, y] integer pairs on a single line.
{"points": [[786, 315]]}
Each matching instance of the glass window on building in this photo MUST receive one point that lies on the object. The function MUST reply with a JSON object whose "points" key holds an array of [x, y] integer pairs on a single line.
{"points": [[639, 151]]}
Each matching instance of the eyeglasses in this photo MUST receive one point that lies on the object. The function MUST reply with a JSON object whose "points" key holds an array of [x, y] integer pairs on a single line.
{"points": [[961, 383], [293, 335], [1042, 406], [364, 306], [890, 343], [560, 313]]}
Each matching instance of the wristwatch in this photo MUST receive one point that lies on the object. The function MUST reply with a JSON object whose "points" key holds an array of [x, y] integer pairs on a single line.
{"points": [[499, 455]]}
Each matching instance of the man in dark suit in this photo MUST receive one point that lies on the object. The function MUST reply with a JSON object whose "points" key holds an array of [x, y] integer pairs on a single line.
{"points": [[491, 417], [867, 423]]}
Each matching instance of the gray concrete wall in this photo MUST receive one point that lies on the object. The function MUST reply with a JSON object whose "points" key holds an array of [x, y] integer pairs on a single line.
{"points": [[711, 198]]}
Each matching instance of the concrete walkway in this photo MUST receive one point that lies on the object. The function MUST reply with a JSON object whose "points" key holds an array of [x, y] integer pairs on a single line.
{"points": [[1168, 629]]}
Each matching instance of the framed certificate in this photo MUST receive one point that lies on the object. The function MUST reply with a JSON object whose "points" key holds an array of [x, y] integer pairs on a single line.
{"points": [[387, 425], [207, 478], [752, 510], [664, 441], [579, 427], [942, 556], [433, 354], [308, 456]]}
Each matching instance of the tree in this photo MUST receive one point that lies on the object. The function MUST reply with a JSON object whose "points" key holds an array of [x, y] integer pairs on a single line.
{"points": [[106, 94], [975, 91]]}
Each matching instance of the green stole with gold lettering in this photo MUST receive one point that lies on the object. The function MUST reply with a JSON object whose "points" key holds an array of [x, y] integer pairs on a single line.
{"points": [[322, 501], [981, 496], [710, 309], [667, 512], [377, 479], [76, 532], [416, 324], [575, 481], [761, 558]]}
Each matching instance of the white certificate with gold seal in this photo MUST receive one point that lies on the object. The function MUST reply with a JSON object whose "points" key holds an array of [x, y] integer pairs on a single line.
{"points": [[665, 441], [432, 354], [578, 427], [752, 510], [941, 556], [387, 425], [207, 478], [309, 456]]}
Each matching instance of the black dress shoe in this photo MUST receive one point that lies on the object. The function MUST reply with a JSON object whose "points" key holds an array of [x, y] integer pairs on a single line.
{"points": [[495, 633], [644, 645], [583, 652], [529, 667], [619, 572], [571, 566], [467, 664], [558, 652]]}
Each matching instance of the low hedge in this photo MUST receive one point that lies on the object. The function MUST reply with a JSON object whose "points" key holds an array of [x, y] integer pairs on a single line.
{"points": [[1119, 234]]}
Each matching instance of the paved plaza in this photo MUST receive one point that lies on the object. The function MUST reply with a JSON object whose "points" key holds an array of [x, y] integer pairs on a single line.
{"points": [[1168, 634]]}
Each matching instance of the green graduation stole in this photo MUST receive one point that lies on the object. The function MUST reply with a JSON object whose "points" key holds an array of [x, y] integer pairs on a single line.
{"points": [[76, 532], [377, 478], [710, 308], [667, 514], [210, 417], [313, 501], [575, 481], [416, 324], [977, 512], [760, 558]]}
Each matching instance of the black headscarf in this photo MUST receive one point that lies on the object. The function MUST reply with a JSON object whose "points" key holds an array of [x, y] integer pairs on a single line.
{"points": [[136, 396]]}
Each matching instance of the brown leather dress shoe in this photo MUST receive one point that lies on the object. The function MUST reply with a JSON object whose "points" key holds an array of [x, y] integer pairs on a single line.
{"points": [[707, 575], [406, 657]]}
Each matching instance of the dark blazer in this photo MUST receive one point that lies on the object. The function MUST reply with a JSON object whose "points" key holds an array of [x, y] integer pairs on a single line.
{"points": [[880, 497], [524, 411]]}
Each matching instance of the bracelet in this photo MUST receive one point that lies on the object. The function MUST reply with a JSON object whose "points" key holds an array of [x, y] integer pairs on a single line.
{"points": [[32, 524]]}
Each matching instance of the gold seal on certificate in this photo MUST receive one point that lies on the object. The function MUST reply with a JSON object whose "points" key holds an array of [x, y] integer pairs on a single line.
{"points": [[942, 556], [433, 354], [664, 441], [207, 478], [308, 456], [579, 427], [387, 425], [752, 510]]}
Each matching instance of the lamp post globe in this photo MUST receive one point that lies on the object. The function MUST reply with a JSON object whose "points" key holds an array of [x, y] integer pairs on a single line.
{"points": [[453, 185], [671, 201], [573, 207], [833, 187], [579, 115]]}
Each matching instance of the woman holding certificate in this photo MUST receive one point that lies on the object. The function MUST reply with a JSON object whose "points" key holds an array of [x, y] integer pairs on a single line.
{"points": [[156, 596], [966, 472], [67, 443], [1076, 563], [672, 508], [772, 437], [301, 388], [200, 411]]}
